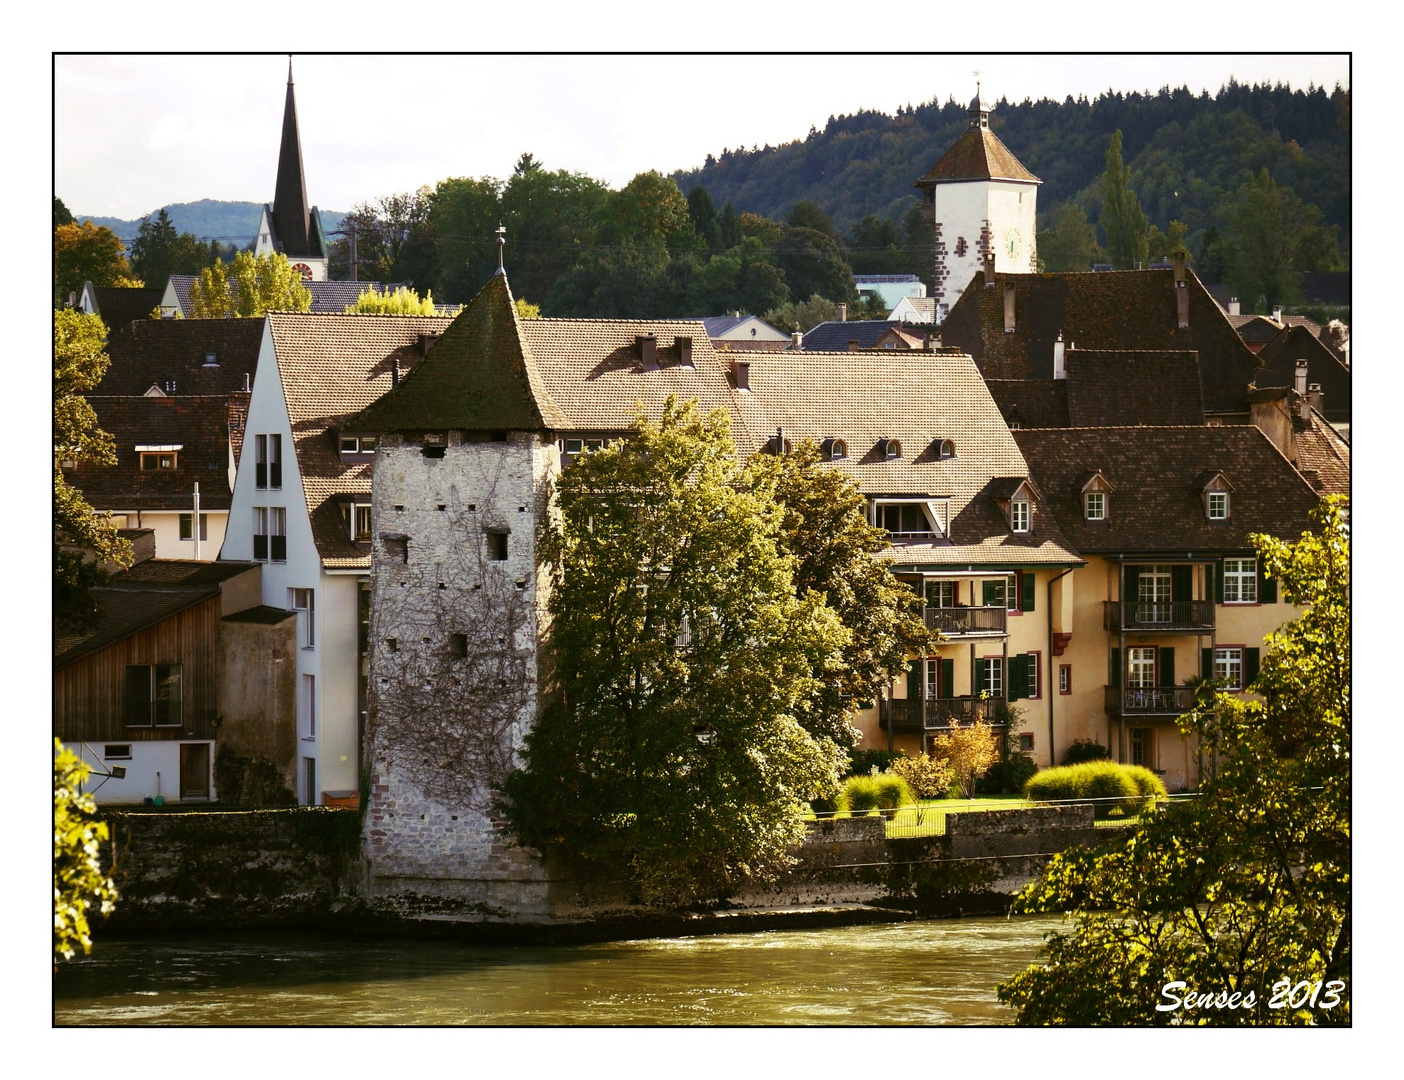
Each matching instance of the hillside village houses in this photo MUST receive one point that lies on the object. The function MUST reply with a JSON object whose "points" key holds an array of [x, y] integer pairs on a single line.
{"points": [[1068, 482]]}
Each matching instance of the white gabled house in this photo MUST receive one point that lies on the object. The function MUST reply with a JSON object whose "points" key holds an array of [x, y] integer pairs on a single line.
{"points": [[301, 508]]}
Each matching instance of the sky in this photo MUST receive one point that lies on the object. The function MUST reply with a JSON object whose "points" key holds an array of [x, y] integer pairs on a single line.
{"points": [[133, 133]]}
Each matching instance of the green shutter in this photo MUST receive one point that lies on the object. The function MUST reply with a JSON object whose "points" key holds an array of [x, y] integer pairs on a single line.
{"points": [[1250, 666], [1206, 663], [1218, 596], [947, 688], [914, 680], [1018, 677], [1267, 587], [1116, 667], [1167, 665], [979, 677], [1030, 592], [1133, 585], [991, 595], [1181, 583]]}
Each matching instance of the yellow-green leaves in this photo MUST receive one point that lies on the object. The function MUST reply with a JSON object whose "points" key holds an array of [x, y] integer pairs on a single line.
{"points": [[80, 885], [248, 287]]}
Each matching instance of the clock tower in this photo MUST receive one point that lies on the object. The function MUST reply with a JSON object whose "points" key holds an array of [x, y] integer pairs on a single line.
{"points": [[978, 198]]}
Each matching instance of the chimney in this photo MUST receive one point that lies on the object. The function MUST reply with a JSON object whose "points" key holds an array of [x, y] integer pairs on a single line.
{"points": [[394, 372], [852, 344], [648, 351], [841, 313], [1301, 381], [1009, 307], [989, 270], [684, 345], [426, 342], [797, 341], [1233, 305], [1277, 313], [1177, 262], [1315, 397], [246, 382], [1060, 370], [741, 372]]}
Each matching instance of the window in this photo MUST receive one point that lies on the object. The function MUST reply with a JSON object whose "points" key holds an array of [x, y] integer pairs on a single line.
{"points": [[1019, 516], [992, 675], [268, 461], [835, 449], [1033, 674], [1228, 665], [158, 461], [940, 594], [277, 536], [946, 449], [117, 752], [187, 523], [1026, 741], [1141, 668], [309, 703], [1001, 592], [1065, 678], [352, 444], [153, 696], [1095, 506], [903, 519], [1218, 506], [304, 602], [357, 517], [260, 533], [891, 449], [933, 668], [497, 546], [1153, 595], [1139, 740], [458, 646], [309, 780], [1240, 581]]}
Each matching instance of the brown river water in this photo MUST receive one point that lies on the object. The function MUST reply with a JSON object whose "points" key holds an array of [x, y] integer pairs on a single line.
{"points": [[938, 972]]}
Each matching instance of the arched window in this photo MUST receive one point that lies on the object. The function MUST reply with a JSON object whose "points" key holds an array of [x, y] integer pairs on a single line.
{"points": [[891, 449], [834, 449]]}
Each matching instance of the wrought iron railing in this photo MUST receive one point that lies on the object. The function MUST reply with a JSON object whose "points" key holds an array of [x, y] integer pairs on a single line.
{"points": [[963, 621], [913, 715], [1158, 615], [1149, 700]]}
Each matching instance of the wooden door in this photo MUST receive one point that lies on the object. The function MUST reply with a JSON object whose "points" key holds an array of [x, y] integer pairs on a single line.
{"points": [[194, 770]]}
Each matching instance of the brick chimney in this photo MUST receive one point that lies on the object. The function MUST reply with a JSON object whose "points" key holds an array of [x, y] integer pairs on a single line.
{"points": [[797, 341], [684, 345], [1181, 291], [1009, 307], [841, 313], [648, 351], [989, 270], [1060, 370], [741, 372]]}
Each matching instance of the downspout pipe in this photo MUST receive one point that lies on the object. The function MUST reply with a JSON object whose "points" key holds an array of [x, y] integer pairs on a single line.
{"points": [[1051, 681]]}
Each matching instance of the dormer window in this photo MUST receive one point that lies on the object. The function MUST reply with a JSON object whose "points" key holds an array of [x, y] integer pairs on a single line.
{"points": [[1215, 490], [945, 448], [891, 449], [1094, 506], [911, 518], [1218, 506], [834, 449], [357, 518], [158, 458], [353, 444], [1019, 515]]}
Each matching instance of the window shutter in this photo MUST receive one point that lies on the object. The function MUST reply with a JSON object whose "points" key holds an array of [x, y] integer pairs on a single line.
{"points": [[280, 548], [1206, 663], [1018, 677], [914, 680], [947, 688], [1267, 587], [1181, 583], [1116, 666], [260, 546], [1250, 665], [1167, 665], [979, 676], [1030, 592], [991, 597], [1132, 578], [1218, 596]]}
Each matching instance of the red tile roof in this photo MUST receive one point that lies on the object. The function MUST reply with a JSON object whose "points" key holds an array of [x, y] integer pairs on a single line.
{"points": [[977, 155]]}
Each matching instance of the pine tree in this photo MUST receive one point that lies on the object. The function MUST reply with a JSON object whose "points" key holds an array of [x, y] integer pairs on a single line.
{"points": [[1123, 220]]}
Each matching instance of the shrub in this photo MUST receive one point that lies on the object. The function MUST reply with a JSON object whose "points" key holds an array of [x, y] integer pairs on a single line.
{"points": [[863, 762], [1011, 776], [1124, 787], [823, 806], [929, 777], [970, 751], [892, 792], [1084, 750], [859, 795]]}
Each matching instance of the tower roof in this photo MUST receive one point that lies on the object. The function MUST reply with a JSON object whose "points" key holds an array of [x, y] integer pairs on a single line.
{"points": [[977, 155], [293, 233]]}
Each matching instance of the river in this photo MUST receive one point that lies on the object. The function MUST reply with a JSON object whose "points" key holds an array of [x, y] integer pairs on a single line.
{"points": [[933, 972]]}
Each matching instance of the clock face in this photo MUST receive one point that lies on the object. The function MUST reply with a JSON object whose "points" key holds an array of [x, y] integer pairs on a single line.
{"points": [[1013, 243], [304, 270]]}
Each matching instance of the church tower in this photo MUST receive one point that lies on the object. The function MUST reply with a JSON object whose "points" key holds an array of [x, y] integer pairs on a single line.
{"points": [[288, 225], [979, 199]]}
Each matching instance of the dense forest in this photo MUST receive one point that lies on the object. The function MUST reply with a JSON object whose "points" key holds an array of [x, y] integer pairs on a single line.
{"points": [[1253, 183]]}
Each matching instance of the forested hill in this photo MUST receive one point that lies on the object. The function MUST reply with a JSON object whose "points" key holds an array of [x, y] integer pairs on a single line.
{"points": [[1187, 154], [209, 219]]}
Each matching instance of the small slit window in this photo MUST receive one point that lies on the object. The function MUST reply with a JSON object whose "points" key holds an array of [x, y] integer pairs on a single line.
{"points": [[458, 646], [497, 546]]}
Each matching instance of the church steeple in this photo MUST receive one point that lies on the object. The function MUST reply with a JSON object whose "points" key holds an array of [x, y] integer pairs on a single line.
{"points": [[290, 209]]}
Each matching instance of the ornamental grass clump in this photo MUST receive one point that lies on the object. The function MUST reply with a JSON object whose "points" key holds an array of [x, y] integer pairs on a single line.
{"points": [[866, 794], [1119, 788]]}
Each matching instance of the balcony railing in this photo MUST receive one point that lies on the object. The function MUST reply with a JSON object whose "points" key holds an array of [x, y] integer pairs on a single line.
{"points": [[967, 621], [936, 714], [1149, 700], [1164, 615]]}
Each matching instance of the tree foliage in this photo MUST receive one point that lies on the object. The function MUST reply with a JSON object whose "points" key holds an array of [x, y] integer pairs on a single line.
{"points": [[1071, 245], [1272, 237], [248, 287], [79, 882], [1248, 884], [84, 540], [158, 251], [802, 316], [688, 670], [1123, 221], [402, 301], [969, 751], [88, 252]]}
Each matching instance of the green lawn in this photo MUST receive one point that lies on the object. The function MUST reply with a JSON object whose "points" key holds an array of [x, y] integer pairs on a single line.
{"points": [[928, 817]]}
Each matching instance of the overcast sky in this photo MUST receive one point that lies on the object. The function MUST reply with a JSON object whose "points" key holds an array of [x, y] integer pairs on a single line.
{"points": [[134, 133]]}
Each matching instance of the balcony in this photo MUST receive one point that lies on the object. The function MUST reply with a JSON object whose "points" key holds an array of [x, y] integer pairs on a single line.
{"points": [[961, 622], [1149, 700], [935, 714], [1178, 615]]}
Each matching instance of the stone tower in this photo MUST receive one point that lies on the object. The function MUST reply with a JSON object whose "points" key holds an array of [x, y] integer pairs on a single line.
{"points": [[979, 199]]}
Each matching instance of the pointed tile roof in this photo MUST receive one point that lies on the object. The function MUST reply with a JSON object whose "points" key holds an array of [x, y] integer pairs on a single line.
{"points": [[977, 155], [291, 216], [480, 375]]}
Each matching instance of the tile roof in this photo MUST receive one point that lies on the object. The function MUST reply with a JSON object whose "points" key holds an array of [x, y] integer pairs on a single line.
{"points": [[920, 399], [120, 307], [1322, 455], [182, 573], [154, 352], [327, 296], [332, 367], [925, 307], [977, 155], [1156, 505], [1035, 403], [1116, 310], [1279, 365], [200, 425], [835, 336], [1123, 388]]}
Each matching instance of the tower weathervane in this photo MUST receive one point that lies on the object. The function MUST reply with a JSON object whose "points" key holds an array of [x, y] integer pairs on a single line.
{"points": [[501, 243]]}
